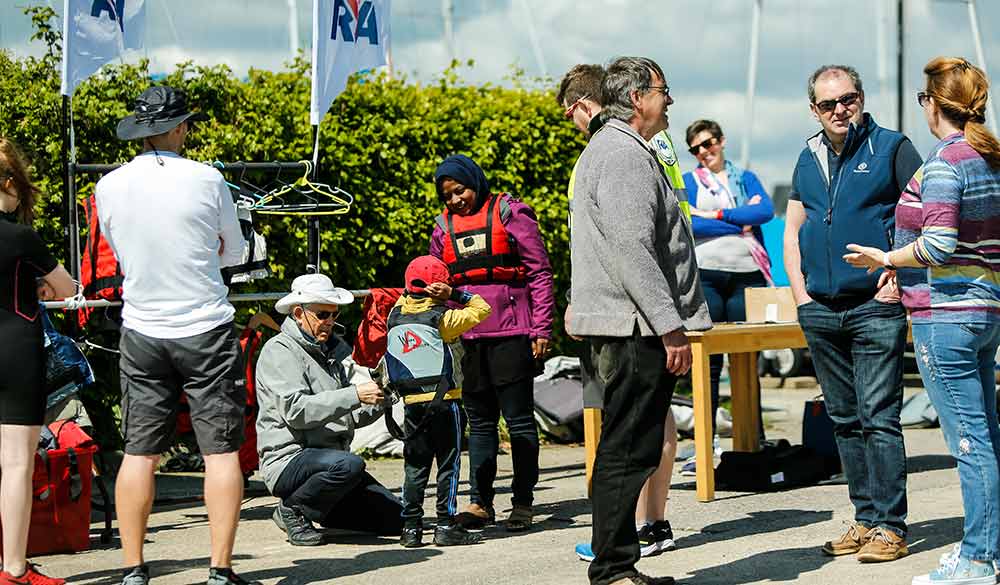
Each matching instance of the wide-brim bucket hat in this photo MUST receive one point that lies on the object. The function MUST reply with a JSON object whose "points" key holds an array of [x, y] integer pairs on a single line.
{"points": [[313, 288], [158, 110]]}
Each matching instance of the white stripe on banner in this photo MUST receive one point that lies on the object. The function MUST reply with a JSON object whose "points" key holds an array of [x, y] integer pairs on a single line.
{"points": [[95, 32], [348, 36]]}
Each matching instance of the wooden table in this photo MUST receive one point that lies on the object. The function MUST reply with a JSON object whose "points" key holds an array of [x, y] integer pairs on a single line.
{"points": [[741, 341]]}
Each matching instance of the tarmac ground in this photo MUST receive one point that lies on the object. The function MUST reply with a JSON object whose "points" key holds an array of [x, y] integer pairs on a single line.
{"points": [[740, 538]]}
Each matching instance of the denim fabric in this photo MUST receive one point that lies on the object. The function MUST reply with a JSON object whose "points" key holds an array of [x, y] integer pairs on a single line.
{"points": [[332, 487], [637, 393], [726, 303], [956, 362], [499, 380], [857, 351], [440, 439]]}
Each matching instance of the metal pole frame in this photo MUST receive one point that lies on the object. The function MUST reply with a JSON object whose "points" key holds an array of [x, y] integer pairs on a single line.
{"points": [[900, 102], [312, 264]]}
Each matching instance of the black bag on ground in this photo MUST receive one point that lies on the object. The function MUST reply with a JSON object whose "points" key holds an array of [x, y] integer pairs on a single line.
{"points": [[775, 467]]}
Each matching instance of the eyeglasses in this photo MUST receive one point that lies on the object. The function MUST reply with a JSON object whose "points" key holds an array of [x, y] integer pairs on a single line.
{"points": [[664, 89], [572, 107], [847, 100], [923, 98], [706, 144], [325, 315]]}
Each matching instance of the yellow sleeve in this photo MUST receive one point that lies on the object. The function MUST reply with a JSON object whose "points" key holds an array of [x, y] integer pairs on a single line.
{"points": [[455, 322]]}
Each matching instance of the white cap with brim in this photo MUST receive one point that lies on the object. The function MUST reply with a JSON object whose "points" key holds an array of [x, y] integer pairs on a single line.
{"points": [[313, 288]]}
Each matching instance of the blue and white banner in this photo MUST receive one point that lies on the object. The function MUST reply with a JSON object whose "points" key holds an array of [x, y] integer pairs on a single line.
{"points": [[95, 32], [348, 36]]}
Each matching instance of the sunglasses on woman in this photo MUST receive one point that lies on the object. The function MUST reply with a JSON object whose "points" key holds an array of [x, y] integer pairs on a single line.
{"points": [[706, 144], [923, 98], [847, 100]]}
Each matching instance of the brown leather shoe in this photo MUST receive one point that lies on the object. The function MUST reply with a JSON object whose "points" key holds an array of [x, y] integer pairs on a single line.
{"points": [[475, 517], [520, 519], [640, 579], [882, 545], [849, 543]]}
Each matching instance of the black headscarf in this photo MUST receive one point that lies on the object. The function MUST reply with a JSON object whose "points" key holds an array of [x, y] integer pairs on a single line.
{"points": [[465, 171]]}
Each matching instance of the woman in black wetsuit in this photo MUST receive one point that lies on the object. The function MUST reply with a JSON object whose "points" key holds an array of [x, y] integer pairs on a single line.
{"points": [[26, 268]]}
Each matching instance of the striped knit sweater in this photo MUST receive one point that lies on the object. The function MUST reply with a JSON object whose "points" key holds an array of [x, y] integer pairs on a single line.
{"points": [[951, 209]]}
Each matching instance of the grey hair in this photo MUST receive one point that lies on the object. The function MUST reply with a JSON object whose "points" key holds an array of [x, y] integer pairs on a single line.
{"points": [[623, 76], [847, 70]]}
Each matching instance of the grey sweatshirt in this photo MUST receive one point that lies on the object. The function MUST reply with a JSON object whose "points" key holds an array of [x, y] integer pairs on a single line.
{"points": [[305, 399], [632, 248]]}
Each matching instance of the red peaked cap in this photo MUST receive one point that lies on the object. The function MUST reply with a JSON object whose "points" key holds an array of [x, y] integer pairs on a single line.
{"points": [[425, 270]]}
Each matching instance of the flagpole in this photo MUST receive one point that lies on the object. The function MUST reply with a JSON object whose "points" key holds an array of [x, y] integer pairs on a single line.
{"points": [[313, 247]]}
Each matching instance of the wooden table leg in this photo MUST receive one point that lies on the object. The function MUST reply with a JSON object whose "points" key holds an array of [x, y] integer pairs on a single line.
{"points": [[745, 388], [701, 389], [591, 438]]}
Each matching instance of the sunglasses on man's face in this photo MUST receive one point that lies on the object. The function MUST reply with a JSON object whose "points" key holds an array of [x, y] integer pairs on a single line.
{"points": [[706, 144], [572, 107], [847, 100], [325, 315]]}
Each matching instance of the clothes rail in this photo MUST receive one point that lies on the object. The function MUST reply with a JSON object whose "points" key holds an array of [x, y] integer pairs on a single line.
{"points": [[238, 298], [91, 169], [73, 215]]}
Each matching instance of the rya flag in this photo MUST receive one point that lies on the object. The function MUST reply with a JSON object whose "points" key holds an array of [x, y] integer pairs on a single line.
{"points": [[95, 32], [348, 36]]}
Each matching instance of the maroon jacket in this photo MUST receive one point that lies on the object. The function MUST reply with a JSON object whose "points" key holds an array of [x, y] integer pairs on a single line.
{"points": [[519, 308]]}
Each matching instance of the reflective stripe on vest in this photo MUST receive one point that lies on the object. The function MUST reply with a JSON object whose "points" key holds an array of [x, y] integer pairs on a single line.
{"points": [[477, 248]]}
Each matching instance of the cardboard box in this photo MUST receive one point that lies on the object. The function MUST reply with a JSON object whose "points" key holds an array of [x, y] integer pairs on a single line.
{"points": [[770, 305]]}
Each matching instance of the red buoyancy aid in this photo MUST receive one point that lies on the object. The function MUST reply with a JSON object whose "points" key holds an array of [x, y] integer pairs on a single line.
{"points": [[477, 247], [100, 273]]}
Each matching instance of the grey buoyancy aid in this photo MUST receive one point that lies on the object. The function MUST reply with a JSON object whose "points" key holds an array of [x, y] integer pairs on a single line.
{"points": [[417, 361]]}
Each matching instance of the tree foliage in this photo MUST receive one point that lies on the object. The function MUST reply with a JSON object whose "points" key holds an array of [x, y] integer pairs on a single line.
{"points": [[381, 141]]}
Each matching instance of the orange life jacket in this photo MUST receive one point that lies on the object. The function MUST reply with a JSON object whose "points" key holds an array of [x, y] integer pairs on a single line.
{"points": [[477, 247]]}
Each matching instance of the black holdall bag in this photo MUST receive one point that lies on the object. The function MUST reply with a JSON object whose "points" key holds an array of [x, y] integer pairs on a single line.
{"points": [[775, 467]]}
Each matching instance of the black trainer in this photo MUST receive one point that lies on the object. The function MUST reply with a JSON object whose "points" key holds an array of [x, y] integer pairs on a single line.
{"points": [[136, 576], [664, 535], [226, 576], [455, 535], [299, 529], [640, 579], [412, 536]]}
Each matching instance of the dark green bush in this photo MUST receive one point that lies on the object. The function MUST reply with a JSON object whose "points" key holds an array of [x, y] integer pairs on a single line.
{"points": [[381, 142]]}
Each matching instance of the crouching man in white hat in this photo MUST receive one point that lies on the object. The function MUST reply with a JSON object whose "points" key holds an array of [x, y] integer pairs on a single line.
{"points": [[308, 413]]}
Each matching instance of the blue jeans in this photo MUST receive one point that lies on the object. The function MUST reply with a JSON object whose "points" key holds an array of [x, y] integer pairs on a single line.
{"points": [[956, 362], [727, 303], [857, 351]]}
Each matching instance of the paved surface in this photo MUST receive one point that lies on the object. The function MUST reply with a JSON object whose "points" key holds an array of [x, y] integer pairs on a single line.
{"points": [[738, 539]]}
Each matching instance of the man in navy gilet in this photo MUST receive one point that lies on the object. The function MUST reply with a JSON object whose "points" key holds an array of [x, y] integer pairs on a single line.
{"points": [[845, 188]]}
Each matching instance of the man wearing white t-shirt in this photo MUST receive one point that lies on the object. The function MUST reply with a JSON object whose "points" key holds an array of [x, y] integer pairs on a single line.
{"points": [[172, 225]]}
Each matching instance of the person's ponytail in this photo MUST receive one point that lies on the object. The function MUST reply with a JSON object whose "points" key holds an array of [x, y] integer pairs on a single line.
{"points": [[984, 142]]}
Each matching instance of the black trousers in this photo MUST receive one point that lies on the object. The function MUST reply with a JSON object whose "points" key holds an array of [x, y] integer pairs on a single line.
{"points": [[441, 439], [499, 379], [332, 488], [637, 393]]}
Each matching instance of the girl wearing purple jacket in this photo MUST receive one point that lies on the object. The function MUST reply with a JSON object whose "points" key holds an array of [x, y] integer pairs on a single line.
{"points": [[493, 248]]}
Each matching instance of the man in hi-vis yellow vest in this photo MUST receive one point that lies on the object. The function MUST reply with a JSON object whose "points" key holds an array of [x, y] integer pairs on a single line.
{"points": [[580, 95]]}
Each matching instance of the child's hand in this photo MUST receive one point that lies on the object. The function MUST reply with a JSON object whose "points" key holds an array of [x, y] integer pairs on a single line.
{"points": [[438, 290]]}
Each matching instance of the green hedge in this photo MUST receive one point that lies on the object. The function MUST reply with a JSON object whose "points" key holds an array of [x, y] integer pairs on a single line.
{"points": [[381, 141]]}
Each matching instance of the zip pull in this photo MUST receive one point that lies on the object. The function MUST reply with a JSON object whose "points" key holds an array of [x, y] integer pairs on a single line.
{"points": [[829, 216]]}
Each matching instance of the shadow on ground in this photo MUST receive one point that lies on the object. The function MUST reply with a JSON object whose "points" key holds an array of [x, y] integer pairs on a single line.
{"points": [[756, 523], [792, 563]]}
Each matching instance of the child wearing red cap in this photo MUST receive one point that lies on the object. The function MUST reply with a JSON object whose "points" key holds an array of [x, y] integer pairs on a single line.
{"points": [[423, 364]]}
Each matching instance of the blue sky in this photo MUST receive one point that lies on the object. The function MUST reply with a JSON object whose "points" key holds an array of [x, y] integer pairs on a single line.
{"points": [[702, 45]]}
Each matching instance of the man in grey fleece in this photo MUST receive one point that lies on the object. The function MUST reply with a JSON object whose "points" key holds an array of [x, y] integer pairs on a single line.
{"points": [[308, 413], [635, 292]]}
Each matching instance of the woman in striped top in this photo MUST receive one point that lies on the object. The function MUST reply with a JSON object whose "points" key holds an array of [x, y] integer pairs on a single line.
{"points": [[947, 249]]}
